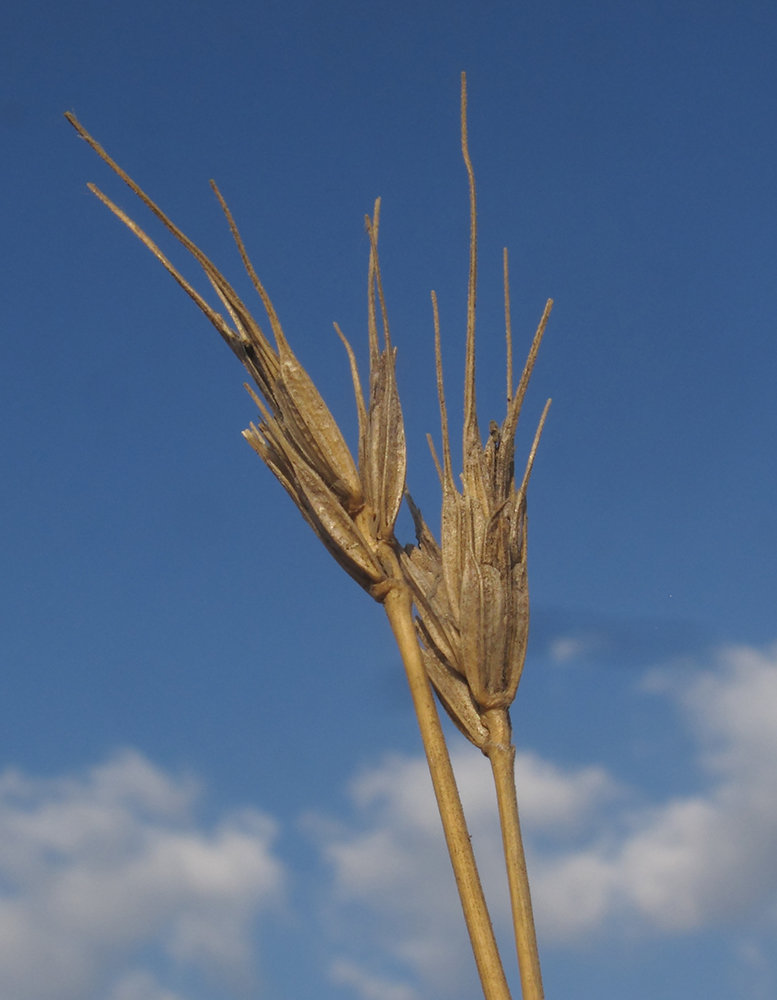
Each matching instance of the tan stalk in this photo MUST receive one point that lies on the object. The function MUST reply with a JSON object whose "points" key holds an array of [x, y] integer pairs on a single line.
{"points": [[501, 753], [399, 610]]}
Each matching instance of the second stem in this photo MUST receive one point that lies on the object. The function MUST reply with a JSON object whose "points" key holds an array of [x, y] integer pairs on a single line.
{"points": [[501, 752], [398, 607]]}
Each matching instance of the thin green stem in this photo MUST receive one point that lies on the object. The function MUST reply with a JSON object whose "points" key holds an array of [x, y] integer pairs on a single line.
{"points": [[399, 609], [501, 753]]}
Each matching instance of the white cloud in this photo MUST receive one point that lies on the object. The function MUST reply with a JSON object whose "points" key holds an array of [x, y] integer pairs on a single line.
{"points": [[93, 869], [141, 985], [676, 866], [398, 862], [563, 650], [699, 859], [368, 986], [394, 869], [107, 881]]}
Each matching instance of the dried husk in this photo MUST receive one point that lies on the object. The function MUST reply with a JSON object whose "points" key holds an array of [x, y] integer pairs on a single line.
{"points": [[352, 510], [471, 591]]}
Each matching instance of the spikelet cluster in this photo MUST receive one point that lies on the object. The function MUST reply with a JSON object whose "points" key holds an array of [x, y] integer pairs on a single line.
{"points": [[351, 508], [471, 591]]}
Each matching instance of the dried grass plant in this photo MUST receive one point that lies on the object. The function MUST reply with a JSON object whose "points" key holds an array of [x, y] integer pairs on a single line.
{"points": [[468, 640]]}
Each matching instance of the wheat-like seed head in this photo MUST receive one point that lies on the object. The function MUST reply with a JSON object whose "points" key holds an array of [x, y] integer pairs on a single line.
{"points": [[352, 510], [471, 591]]}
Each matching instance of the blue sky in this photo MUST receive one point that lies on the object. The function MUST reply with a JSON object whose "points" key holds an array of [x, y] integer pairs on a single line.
{"points": [[204, 728]]}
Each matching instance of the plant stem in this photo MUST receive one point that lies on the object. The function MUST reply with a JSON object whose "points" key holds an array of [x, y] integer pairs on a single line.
{"points": [[501, 753], [399, 609]]}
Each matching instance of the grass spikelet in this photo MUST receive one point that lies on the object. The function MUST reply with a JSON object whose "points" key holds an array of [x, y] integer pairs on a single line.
{"points": [[351, 510]]}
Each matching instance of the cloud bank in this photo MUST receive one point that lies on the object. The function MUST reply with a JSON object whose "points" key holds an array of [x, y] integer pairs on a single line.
{"points": [[110, 888], [601, 860], [93, 870]]}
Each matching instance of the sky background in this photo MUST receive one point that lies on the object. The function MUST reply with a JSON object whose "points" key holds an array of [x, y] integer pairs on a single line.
{"points": [[211, 783]]}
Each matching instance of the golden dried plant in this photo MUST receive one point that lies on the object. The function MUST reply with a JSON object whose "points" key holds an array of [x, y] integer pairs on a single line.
{"points": [[351, 510], [470, 592]]}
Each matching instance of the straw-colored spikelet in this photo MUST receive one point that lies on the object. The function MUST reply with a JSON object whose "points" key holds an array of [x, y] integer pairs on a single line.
{"points": [[351, 510], [471, 592]]}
